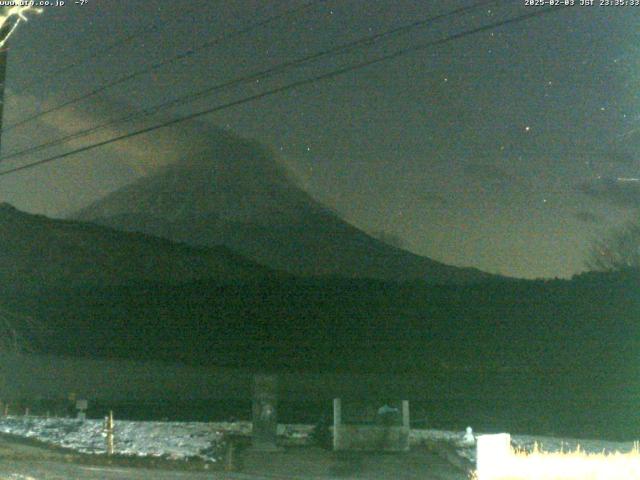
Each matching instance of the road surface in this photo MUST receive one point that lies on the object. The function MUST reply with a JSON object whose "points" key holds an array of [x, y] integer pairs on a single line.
{"points": [[19, 461]]}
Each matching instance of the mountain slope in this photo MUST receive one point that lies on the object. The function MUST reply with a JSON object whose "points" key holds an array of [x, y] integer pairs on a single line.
{"points": [[232, 192], [41, 253]]}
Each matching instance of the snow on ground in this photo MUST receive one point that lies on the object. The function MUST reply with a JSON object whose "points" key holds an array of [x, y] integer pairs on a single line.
{"points": [[159, 439], [182, 440]]}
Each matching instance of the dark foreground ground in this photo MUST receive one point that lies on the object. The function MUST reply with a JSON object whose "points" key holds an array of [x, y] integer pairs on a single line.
{"points": [[25, 460]]}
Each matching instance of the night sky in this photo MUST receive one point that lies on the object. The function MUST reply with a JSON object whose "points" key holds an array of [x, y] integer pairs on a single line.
{"points": [[508, 150]]}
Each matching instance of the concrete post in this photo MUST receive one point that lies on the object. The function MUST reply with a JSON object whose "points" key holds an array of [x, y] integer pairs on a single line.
{"points": [[265, 412], [406, 422], [337, 421]]}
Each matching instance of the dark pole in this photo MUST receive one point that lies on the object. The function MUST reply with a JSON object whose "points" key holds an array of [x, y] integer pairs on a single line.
{"points": [[4, 53], [6, 30]]}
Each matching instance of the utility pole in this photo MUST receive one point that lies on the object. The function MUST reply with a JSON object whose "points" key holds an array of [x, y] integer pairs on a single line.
{"points": [[4, 54], [5, 31], [10, 18]]}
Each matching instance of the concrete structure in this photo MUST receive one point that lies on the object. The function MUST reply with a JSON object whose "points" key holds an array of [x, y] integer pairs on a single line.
{"points": [[265, 412], [388, 437]]}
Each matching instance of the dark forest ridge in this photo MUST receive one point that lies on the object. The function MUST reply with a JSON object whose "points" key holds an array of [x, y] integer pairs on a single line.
{"points": [[37, 252], [329, 324], [231, 191]]}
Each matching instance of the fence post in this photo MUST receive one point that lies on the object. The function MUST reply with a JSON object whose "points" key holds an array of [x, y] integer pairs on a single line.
{"points": [[229, 464], [109, 428]]}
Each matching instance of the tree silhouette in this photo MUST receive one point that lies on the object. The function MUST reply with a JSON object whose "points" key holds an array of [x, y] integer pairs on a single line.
{"points": [[620, 250]]}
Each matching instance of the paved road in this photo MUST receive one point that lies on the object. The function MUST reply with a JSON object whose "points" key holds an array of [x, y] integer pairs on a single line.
{"points": [[51, 470], [30, 470], [61, 471], [32, 462]]}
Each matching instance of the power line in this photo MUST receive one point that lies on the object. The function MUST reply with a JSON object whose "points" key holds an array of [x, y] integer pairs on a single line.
{"points": [[290, 86], [366, 41], [102, 51], [156, 66]]}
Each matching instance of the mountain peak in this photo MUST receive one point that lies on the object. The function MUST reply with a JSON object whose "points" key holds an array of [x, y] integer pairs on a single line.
{"points": [[226, 177], [232, 191]]}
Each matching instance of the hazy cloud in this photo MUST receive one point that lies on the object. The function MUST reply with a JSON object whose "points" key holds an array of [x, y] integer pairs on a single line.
{"points": [[589, 217], [490, 174], [142, 154], [621, 193], [619, 157], [435, 199]]}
